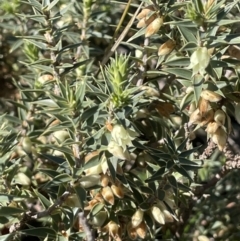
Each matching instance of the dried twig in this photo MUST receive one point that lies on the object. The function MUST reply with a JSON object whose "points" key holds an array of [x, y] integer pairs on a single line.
{"points": [[119, 40], [87, 229], [143, 66]]}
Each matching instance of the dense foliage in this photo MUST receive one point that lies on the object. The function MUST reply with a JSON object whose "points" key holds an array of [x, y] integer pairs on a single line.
{"points": [[119, 120]]}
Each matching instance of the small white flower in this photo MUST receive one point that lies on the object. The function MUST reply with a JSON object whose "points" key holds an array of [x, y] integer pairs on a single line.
{"points": [[118, 151], [199, 60], [122, 136]]}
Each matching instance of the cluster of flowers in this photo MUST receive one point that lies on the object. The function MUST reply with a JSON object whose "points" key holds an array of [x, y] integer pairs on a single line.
{"points": [[213, 119]]}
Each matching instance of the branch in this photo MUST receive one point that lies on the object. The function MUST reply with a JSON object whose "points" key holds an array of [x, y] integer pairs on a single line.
{"points": [[232, 162], [143, 66], [48, 211], [85, 226]]}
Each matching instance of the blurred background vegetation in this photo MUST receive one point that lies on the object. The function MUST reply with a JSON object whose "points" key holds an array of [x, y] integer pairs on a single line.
{"points": [[105, 128]]}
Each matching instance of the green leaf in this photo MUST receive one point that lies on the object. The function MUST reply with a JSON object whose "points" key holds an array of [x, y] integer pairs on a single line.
{"points": [[188, 152], [90, 181], [52, 4], [9, 211], [49, 172], [41, 232], [16, 45], [89, 112], [7, 237], [81, 194], [38, 44], [173, 182], [92, 162], [112, 166], [137, 34], [183, 172], [179, 72], [96, 209], [145, 189], [180, 61], [60, 179], [5, 198], [44, 201], [198, 81], [34, 4], [80, 91], [138, 197], [160, 194], [186, 100], [55, 159], [170, 144], [158, 175], [188, 33], [188, 46]]}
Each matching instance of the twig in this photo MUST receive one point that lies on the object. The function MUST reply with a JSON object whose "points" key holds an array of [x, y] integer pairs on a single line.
{"points": [[232, 162], [48, 211], [119, 40], [143, 66], [76, 151], [209, 150], [29, 216], [87, 229]]}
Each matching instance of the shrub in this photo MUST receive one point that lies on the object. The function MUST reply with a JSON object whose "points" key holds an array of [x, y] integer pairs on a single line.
{"points": [[107, 103]]}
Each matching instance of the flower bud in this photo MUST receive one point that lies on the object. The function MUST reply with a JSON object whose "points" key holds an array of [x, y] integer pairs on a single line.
{"points": [[203, 106], [220, 138], [189, 89], [60, 136], [117, 191], [195, 117], [132, 233], [166, 48], [45, 78], [108, 195], [158, 215], [104, 180], [113, 229], [167, 215], [27, 144], [137, 218], [104, 164], [109, 126], [145, 12], [208, 116], [149, 91], [212, 127], [192, 108], [154, 26], [142, 230], [91, 204], [234, 51], [210, 96], [220, 117], [146, 21]]}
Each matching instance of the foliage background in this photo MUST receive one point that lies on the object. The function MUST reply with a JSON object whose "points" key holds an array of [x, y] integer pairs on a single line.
{"points": [[58, 108]]}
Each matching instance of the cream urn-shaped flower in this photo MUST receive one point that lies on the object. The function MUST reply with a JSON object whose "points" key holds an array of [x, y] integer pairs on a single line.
{"points": [[122, 136], [199, 60]]}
